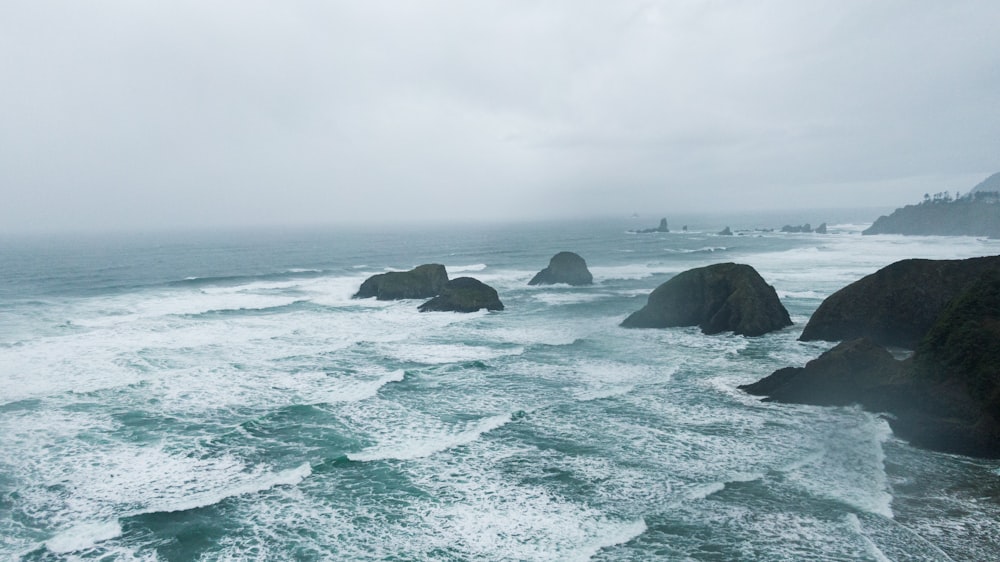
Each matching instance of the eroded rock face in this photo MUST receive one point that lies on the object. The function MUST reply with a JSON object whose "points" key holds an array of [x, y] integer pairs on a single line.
{"points": [[853, 372], [945, 398], [422, 282], [896, 305], [464, 294], [718, 298], [564, 267]]}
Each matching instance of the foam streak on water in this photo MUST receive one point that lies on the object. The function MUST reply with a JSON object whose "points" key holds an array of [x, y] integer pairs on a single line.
{"points": [[230, 400]]}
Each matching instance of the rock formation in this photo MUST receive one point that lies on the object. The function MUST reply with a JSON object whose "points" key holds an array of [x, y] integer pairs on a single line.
{"points": [[799, 228], [853, 372], [976, 214], [661, 228], [725, 232], [896, 305], [564, 267], [463, 294], [945, 398], [718, 298], [422, 282], [821, 229]]}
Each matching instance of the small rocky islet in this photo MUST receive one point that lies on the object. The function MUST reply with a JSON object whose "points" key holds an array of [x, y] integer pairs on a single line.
{"points": [[430, 281], [725, 297], [566, 268]]}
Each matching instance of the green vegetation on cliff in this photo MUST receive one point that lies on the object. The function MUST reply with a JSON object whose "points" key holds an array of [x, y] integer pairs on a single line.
{"points": [[975, 214]]}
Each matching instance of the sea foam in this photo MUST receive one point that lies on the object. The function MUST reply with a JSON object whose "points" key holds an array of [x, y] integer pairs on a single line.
{"points": [[83, 536], [425, 447]]}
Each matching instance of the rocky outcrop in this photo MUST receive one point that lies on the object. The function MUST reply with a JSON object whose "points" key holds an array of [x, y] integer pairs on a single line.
{"points": [[725, 232], [853, 372], [661, 228], [821, 229], [958, 362], [896, 305], [975, 215], [797, 228], [718, 298], [564, 267], [464, 294], [422, 282], [945, 398]]}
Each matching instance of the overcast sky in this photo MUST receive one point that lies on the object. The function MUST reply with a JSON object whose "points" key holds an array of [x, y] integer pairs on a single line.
{"points": [[145, 114]]}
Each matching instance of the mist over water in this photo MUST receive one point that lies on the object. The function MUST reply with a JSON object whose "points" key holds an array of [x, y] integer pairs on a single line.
{"points": [[219, 396]]}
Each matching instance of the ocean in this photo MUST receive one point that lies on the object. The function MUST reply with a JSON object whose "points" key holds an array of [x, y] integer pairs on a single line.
{"points": [[218, 395]]}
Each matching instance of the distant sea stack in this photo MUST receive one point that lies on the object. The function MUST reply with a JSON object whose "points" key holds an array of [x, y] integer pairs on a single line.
{"points": [[661, 228], [718, 298], [977, 213], [945, 398], [801, 228], [422, 282], [464, 294], [726, 232], [896, 305], [564, 267]]}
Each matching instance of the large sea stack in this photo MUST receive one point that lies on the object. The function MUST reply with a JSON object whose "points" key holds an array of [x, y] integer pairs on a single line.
{"points": [[464, 294], [946, 397], [564, 267], [718, 298], [422, 282], [896, 305]]}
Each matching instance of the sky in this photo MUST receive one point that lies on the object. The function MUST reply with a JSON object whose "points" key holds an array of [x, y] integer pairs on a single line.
{"points": [[138, 114]]}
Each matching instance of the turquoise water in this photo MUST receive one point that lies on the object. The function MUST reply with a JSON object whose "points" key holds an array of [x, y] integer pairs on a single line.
{"points": [[219, 396]]}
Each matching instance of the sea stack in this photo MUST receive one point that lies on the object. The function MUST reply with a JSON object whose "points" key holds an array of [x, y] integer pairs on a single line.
{"points": [[564, 267], [422, 282], [464, 294], [718, 298], [661, 228]]}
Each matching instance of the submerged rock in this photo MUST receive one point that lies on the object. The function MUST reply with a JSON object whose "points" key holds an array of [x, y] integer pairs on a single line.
{"points": [[896, 305], [718, 298], [564, 267], [464, 294], [422, 282]]}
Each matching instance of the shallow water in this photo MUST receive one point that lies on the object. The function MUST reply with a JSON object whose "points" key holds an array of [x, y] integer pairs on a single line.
{"points": [[219, 396]]}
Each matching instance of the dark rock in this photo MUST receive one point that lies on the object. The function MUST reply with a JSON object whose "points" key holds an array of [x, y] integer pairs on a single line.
{"points": [[851, 373], [977, 214], [464, 294], [945, 398], [422, 282], [821, 229], [718, 298], [896, 305], [661, 228], [802, 228], [564, 267], [959, 363], [725, 232]]}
